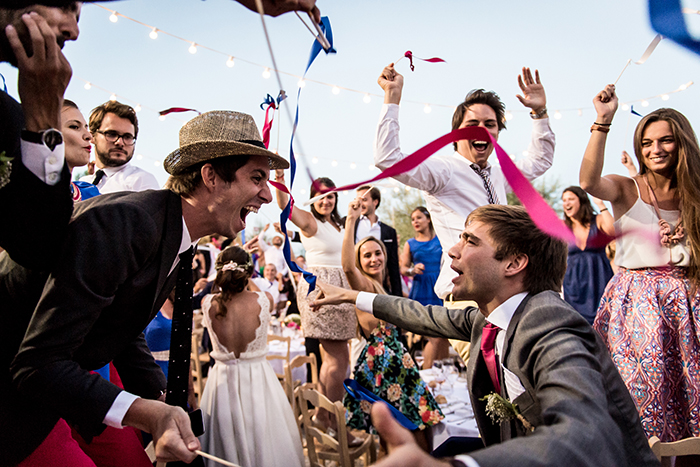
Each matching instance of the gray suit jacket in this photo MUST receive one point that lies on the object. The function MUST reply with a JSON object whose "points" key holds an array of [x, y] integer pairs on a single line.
{"points": [[574, 396]]}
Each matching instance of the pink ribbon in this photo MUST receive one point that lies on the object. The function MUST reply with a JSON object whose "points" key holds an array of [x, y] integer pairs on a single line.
{"points": [[268, 125], [178, 109], [284, 189], [541, 213], [409, 55]]}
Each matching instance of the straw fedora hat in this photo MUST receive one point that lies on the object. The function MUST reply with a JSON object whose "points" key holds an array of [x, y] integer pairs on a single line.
{"points": [[219, 133]]}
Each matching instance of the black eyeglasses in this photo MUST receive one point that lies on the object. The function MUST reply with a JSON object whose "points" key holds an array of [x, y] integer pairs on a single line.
{"points": [[112, 136]]}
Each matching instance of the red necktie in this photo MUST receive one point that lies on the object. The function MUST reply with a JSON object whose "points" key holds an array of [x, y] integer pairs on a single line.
{"points": [[488, 339]]}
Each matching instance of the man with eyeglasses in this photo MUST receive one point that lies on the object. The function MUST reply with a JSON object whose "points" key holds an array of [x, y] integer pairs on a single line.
{"points": [[114, 129]]}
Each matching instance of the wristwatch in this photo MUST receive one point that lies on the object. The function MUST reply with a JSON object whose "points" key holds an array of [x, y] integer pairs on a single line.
{"points": [[537, 115], [49, 138]]}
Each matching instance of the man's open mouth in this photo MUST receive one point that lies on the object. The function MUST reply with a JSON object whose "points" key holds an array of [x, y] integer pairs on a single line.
{"points": [[480, 145]]}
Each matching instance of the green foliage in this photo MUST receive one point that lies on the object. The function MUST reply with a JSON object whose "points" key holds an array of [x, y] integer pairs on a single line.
{"points": [[395, 210]]}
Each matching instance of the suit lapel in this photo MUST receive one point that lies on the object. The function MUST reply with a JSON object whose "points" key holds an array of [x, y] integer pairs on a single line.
{"points": [[172, 238], [515, 320]]}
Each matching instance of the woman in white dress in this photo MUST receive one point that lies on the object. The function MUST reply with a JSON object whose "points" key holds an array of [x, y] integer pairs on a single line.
{"points": [[247, 418]]}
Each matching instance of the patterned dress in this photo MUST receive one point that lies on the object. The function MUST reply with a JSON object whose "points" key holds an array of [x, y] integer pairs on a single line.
{"points": [[385, 368]]}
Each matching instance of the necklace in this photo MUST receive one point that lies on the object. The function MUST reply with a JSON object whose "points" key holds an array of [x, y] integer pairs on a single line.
{"points": [[669, 237]]}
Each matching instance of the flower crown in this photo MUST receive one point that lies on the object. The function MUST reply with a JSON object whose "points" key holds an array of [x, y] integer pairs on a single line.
{"points": [[233, 266]]}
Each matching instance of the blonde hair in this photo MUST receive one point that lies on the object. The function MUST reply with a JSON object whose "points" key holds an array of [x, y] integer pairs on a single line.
{"points": [[376, 285]]}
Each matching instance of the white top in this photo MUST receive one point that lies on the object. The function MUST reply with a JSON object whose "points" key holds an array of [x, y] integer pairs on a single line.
{"points": [[323, 249], [127, 177], [640, 246], [365, 228], [452, 189], [42, 161], [273, 255], [273, 288]]}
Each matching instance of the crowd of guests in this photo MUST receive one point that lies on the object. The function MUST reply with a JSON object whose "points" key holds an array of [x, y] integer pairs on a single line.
{"points": [[99, 260]]}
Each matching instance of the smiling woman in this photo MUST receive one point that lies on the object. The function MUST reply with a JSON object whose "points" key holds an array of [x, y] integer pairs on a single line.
{"points": [[651, 333]]}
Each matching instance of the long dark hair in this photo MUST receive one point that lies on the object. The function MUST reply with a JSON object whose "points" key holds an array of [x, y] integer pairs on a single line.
{"points": [[586, 208], [335, 217], [231, 281], [686, 176]]}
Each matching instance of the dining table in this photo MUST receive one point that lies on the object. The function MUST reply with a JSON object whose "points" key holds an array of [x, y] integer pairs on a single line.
{"points": [[297, 348], [459, 417]]}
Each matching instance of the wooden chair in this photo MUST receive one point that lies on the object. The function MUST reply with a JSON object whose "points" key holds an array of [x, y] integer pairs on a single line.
{"points": [[284, 356], [323, 447], [198, 358], [291, 385], [664, 451]]}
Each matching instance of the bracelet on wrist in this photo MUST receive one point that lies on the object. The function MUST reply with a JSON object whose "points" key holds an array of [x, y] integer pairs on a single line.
{"points": [[604, 209], [601, 128], [537, 115], [602, 124]]}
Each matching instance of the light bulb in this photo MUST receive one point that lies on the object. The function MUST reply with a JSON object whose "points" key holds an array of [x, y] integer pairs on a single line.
{"points": [[579, 112], [193, 48], [113, 97], [137, 108], [371, 168], [153, 34], [301, 83], [367, 99], [266, 73], [683, 87], [230, 62], [645, 103], [302, 191], [113, 17], [139, 156], [665, 97], [427, 108], [336, 90], [557, 115], [156, 163], [161, 118], [334, 163], [625, 107], [87, 86], [314, 160], [353, 165], [509, 115]]}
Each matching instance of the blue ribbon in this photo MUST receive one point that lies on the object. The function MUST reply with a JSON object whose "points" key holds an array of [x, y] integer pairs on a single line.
{"points": [[667, 19], [284, 216], [634, 112], [269, 101], [360, 393]]}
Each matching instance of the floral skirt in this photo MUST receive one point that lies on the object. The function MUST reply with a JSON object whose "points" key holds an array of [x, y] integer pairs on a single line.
{"points": [[333, 322], [649, 321], [385, 368]]}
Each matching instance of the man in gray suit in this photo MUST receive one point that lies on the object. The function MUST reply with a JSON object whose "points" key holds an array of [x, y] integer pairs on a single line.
{"points": [[542, 356]]}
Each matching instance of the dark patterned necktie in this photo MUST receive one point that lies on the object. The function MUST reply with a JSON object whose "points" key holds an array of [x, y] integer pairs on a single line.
{"points": [[98, 176], [488, 339], [181, 335], [490, 191]]}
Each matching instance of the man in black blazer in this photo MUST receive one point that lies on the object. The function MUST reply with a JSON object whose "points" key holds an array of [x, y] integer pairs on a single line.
{"points": [[35, 197], [547, 359], [117, 266], [369, 224]]}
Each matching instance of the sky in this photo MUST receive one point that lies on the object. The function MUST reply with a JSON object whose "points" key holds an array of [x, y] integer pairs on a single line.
{"points": [[578, 47]]}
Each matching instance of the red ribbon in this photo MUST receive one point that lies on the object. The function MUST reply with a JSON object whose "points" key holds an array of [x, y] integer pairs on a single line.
{"points": [[409, 55], [178, 109], [268, 125], [541, 213], [284, 189]]}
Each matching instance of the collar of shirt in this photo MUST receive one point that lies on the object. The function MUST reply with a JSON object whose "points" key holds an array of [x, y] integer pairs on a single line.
{"points": [[502, 315], [367, 219], [185, 244], [469, 163], [110, 171]]}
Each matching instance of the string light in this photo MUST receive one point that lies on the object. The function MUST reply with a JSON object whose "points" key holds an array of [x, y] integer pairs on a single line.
{"points": [[367, 99], [683, 87], [665, 97], [302, 191], [371, 168], [336, 90], [625, 107], [156, 163], [353, 165], [334, 163], [230, 62], [139, 157], [314, 160], [137, 108], [266, 73], [557, 115], [113, 97], [579, 112], [161, 118], [153, 34], [193, 48], [114, 17], [301, 83], [509, 116], [87, 86], [427, 108], [645, 103]]}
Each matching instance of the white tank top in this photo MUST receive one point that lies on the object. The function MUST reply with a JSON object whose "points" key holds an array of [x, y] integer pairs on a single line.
{"points": [[640, 247], [324, 248]]}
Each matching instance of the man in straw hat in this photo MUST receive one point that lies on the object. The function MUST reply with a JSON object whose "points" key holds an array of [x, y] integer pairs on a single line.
{"points": [[118, 264]]}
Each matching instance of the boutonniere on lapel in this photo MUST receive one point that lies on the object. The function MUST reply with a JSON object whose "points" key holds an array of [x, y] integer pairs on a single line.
{"points": [[5, 169], [500, 410]]}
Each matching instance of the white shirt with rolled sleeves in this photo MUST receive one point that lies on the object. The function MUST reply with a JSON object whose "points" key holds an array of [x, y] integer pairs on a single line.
{"points": [[452, 189], [127, 177], [42, 161]]}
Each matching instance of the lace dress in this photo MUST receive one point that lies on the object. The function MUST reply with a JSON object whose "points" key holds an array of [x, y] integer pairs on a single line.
{"points": [[247, 417]]}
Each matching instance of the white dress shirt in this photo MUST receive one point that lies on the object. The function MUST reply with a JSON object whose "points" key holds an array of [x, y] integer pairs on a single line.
{"points": [[43, 162], [452, 189], [365, 228], [273, 288], [127, 177], [273, 255], [117, 411]]}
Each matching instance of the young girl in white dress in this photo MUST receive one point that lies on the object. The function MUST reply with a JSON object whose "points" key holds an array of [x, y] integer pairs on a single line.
{"points": [[247, 418]]}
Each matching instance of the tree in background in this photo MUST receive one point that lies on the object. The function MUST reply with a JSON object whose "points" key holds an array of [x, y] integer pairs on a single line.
{"points": [[395, 210]]}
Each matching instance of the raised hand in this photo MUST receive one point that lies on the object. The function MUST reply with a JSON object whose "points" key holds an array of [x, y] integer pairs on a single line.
{"points": [[392, 83], [605, 103], [43, 76], [354, 209], [533, 95], [627, 162]]}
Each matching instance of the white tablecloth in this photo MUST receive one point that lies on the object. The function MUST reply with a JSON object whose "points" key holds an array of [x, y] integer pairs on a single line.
{"points": [[459, 416], [280, 348]]}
